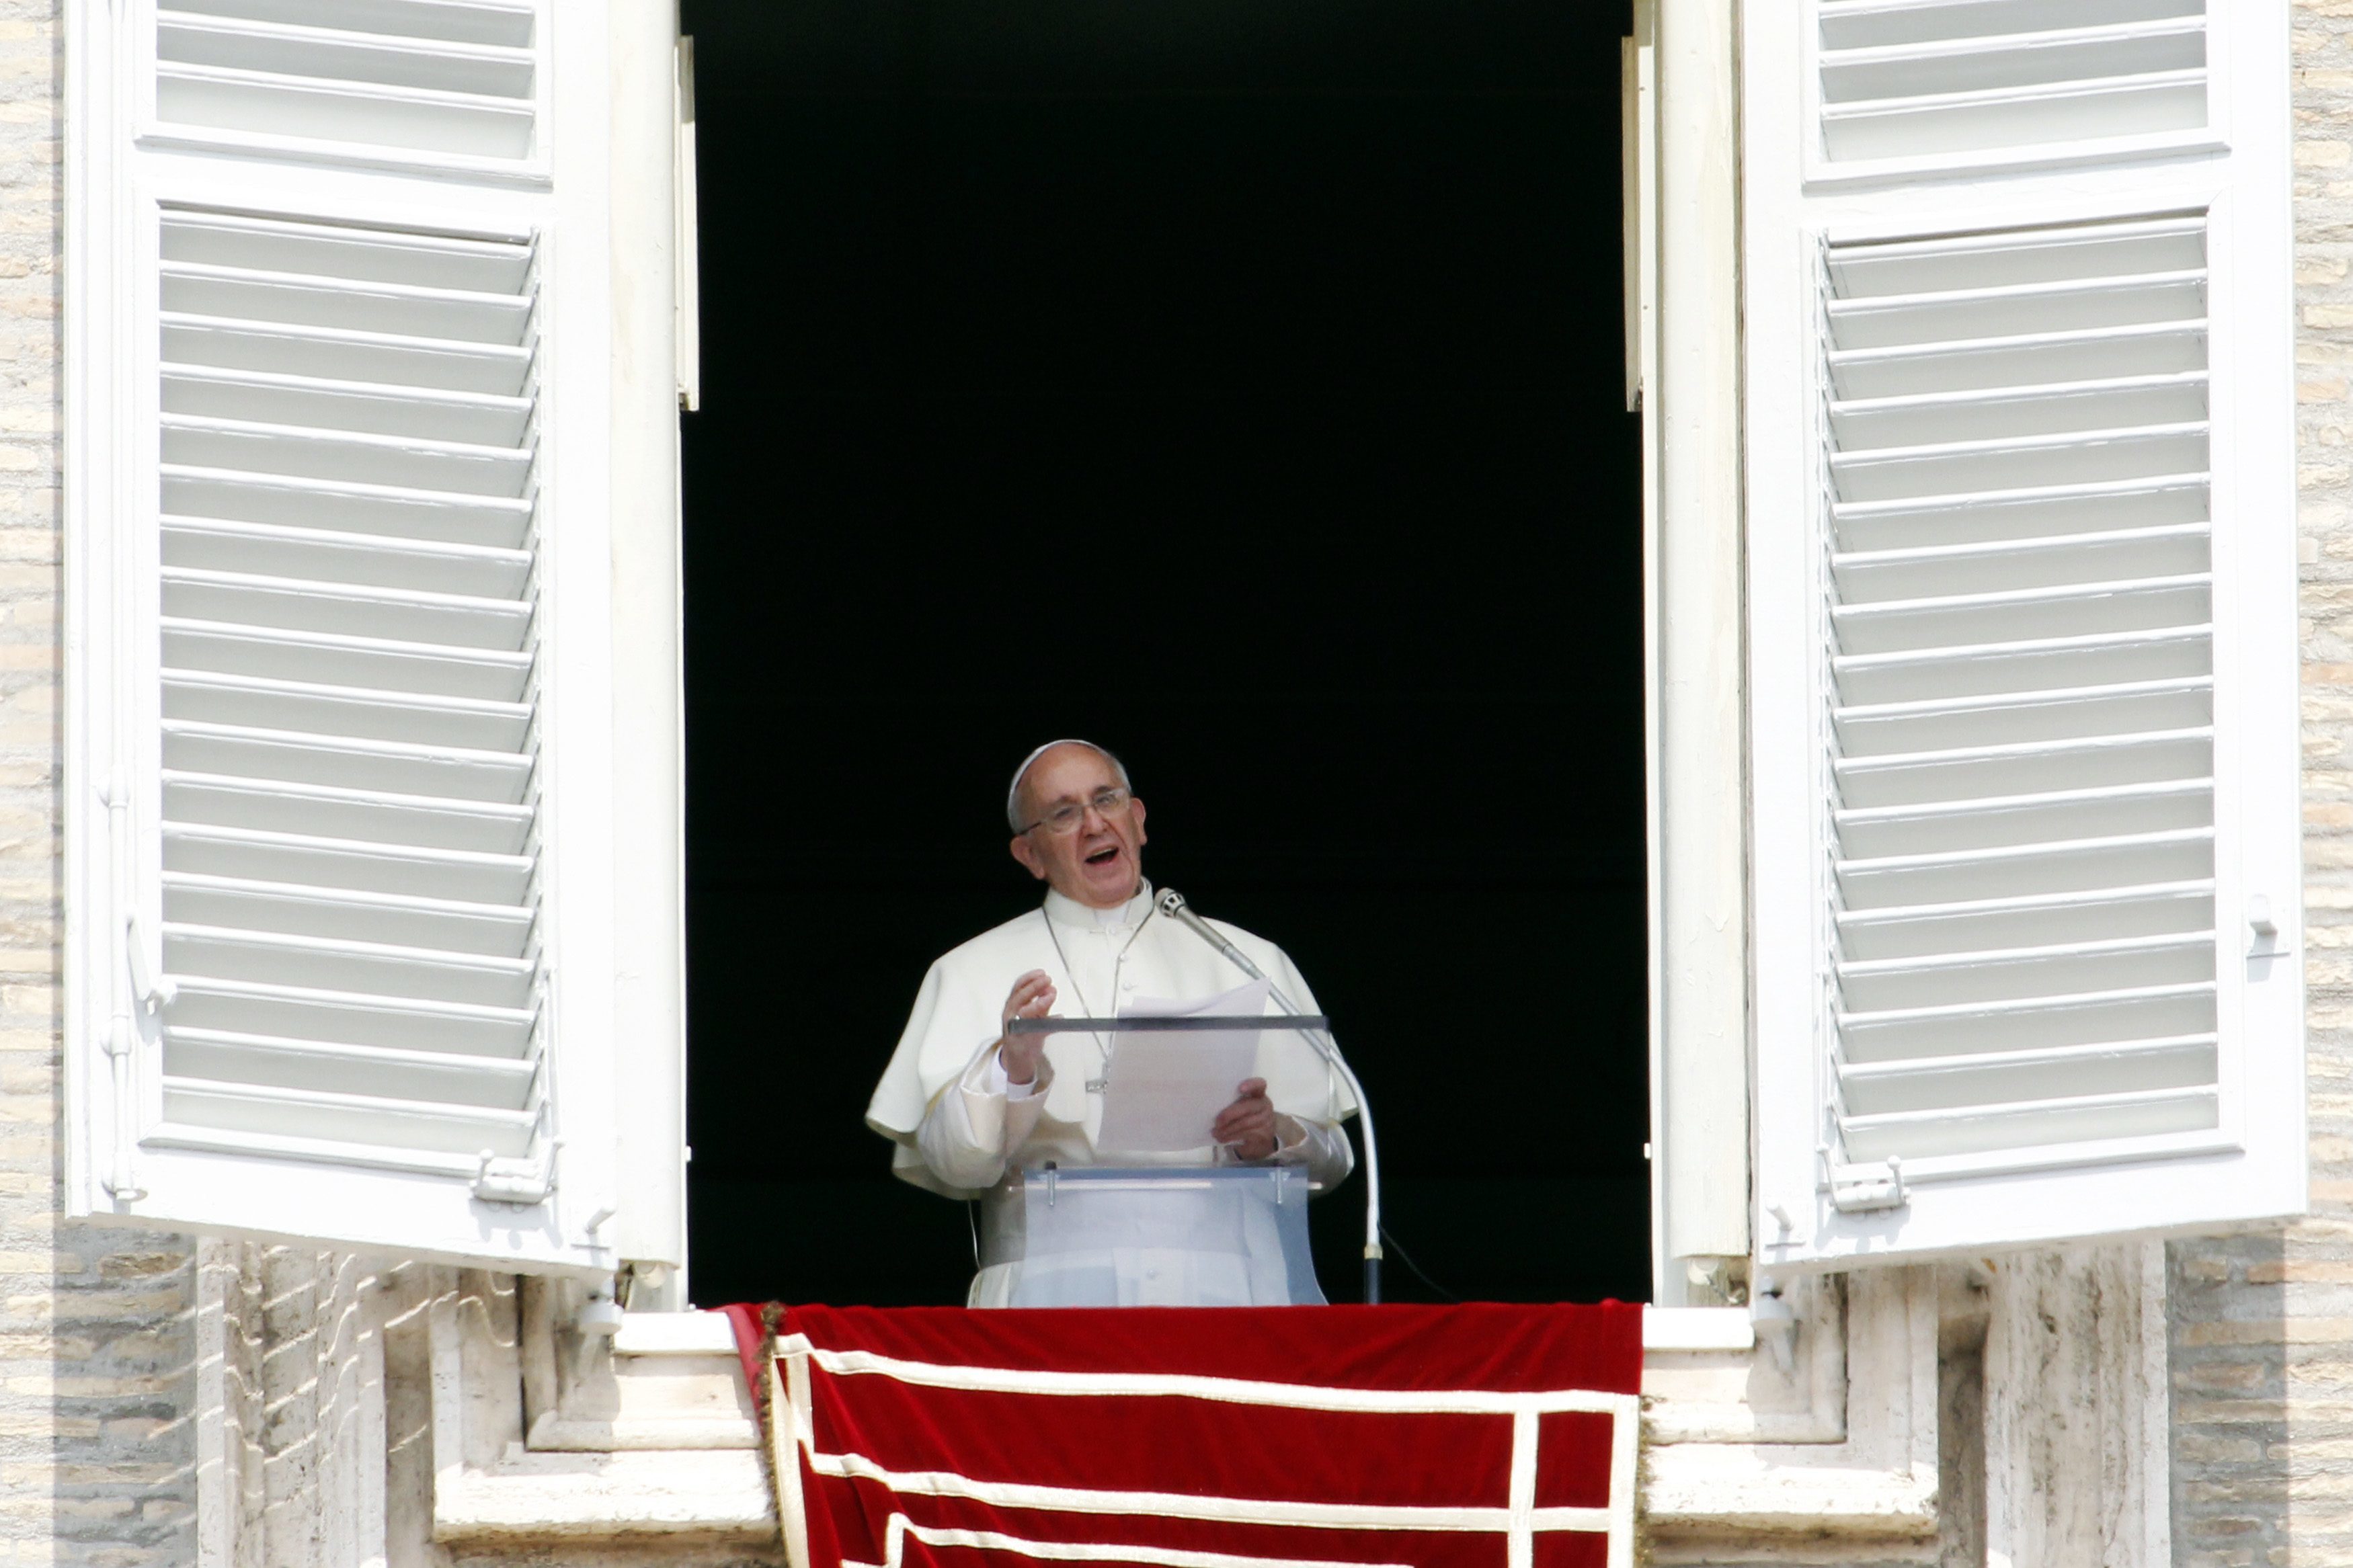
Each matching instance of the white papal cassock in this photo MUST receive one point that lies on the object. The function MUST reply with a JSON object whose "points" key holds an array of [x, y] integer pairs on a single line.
{"points": [[957, 1128]]}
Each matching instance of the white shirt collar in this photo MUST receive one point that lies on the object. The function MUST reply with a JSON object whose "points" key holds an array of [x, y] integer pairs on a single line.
{"points": [[1084, 917]]}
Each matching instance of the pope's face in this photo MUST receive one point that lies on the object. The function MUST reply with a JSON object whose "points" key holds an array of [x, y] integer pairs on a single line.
{"points": [[1101, 865]]}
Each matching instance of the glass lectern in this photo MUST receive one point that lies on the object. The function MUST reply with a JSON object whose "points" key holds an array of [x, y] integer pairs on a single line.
{"points": [[1141, 1229]]}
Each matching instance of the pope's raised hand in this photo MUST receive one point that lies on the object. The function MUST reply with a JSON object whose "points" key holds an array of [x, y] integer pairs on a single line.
{"points": [[1032, 997], [1249, 1123]]}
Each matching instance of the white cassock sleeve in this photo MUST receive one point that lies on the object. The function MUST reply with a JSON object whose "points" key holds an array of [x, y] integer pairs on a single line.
{"points": [[1324, 1148], [973, 1126]]}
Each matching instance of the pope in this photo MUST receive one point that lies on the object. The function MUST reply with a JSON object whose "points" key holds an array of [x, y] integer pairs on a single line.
{"points": [[968, 1107]]}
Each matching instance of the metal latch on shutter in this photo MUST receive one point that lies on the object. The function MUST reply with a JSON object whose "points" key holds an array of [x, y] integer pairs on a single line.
{"points": [[523, 1182], [1861, 1189]]}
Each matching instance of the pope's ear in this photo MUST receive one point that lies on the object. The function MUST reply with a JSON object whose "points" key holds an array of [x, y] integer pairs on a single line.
{"points": [[1027, 853], [1137, 808]]}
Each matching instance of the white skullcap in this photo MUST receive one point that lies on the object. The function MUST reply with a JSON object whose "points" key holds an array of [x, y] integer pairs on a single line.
{"points": [[1013, 790]]}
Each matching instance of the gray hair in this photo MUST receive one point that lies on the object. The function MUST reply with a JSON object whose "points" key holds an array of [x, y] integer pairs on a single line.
{"points": [[1013, 792]]}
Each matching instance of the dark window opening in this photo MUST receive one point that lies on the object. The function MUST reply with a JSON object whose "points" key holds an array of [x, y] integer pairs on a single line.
{"points": [[1238, 383]]}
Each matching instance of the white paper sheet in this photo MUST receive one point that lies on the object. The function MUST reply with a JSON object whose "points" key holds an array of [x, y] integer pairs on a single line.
{"points": [[1165, 1089]]}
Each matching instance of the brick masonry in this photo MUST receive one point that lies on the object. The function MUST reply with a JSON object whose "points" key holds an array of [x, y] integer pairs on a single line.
{"points": [[97, 1327], [2262, 1350]]}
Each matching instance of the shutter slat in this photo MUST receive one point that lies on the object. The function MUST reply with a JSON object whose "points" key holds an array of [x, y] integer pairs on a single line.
{"points": [[1992, 924], [445, 364], [255, 397], [2022, 359], [391, 307], [294, 502], [422, 667], [2094, 1117], [393, 615], [1972, 412], [439, 84], [2114, 963], [1945, 62], [2060, 817], [2077, 610], [1979, 309], [495, 1083], [303, 251], [349, 1118], [343, 761], [2160, 502], [1960, 723], [460, 21], [402, 462], [350, 863], [2004, 117], [1940, 82], [1864, 23], [481, 828], [294, 1012], [1969, 262], [500, 929], [1947, 470], [2058, 865], [358, 968], [259, 103], [1974, 565], [1944, 1083], [302, 49], [2031, 664], [2029, 1023], [271, 550], [2033, 768], [252, 703]]}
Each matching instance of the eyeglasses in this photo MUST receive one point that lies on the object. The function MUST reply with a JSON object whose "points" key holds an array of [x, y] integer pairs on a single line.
{"points": [[1065, 818]]}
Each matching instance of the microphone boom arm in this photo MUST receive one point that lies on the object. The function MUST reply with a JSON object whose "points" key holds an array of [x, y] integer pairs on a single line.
{"points": [[1172, 904]]}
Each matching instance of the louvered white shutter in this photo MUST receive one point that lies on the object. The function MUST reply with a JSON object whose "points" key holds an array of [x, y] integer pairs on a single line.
{"points": [[338, 728], [2022, 621]]}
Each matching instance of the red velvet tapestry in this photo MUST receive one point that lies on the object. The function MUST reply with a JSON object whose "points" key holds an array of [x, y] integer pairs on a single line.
{"points": [[1471, 1437]]}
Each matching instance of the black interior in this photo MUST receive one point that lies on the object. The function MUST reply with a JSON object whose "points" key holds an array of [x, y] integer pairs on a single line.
{"points": [[1238, 383]]}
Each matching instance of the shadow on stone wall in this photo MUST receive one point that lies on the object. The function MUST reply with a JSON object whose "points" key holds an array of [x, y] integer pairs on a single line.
{"points": [[123, 1393], [2231, 1371]]}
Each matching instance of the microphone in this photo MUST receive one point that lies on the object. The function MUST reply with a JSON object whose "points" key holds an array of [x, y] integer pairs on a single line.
{"points": [[1172, 904]]}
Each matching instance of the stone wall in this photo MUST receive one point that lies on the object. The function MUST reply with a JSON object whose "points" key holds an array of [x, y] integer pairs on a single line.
{"points": [[2262, 1331], [97, 1376], [103, 1352]]}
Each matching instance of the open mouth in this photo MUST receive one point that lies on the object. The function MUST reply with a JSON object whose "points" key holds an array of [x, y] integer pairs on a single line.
{"points": [[1104, 856]]}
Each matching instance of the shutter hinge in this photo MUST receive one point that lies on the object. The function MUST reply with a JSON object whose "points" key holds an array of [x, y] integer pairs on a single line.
{"points": [[524, 1181], [1860, 1189]]}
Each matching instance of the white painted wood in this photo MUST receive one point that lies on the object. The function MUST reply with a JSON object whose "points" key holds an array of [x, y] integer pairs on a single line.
{"points": [[2021, 633], [689, 208], [1901, 89], [647, 695], [433, 85], [1701, 1146], [338, 694]]}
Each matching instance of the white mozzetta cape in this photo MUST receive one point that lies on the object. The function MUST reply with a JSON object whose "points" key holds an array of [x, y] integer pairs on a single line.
{"points": [[1116, 957]]}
